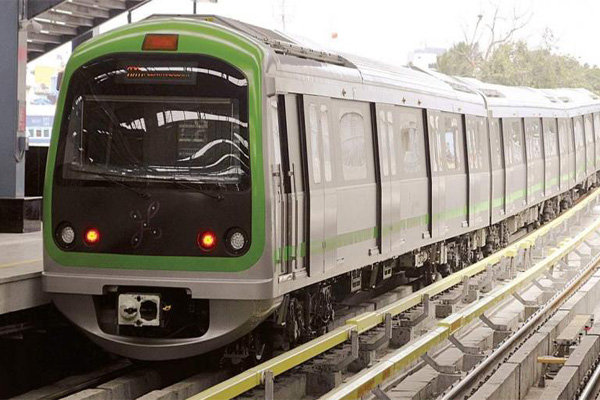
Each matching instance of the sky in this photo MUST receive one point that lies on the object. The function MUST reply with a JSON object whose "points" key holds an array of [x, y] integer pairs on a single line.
{"points": [[389, 30]]}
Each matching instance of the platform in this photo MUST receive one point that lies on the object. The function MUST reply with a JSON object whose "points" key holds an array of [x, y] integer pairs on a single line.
{"points": [[21, 272]]}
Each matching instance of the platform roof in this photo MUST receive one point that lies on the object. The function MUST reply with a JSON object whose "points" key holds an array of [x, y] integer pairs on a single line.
{"points": [[60, 21]]}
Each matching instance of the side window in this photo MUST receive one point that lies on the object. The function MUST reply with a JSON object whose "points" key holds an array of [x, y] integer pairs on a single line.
{"points": [[515, 140], [578, 129], [496, 142], [275, 130], [383, 138], [563, 136], [392, 142], [597, 126], [476, 143], [589, 129], [412, 144], [327, 163], [313, 121], [434, 138], [550, 137], [352, 136], [450, 140], [533, 137]]}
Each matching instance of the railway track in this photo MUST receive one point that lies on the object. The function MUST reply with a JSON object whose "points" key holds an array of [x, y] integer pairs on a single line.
{"points": [[377, 350], [363, 343]]}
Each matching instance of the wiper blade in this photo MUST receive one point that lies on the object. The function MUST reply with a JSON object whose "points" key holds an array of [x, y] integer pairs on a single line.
{"points": [[217, 197], [109, 177]]}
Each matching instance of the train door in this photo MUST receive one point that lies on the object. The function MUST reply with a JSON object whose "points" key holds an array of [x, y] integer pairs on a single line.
{"points": [[551, 157], [580, 152], [535, 161], [516, 167], [564, 155], [389, 208], [497, 164], [589, 145], [322, 185], [288, 186], [478, 171]]}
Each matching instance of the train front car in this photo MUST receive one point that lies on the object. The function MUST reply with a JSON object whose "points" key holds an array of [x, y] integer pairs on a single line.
{"points": [[154, 213]]}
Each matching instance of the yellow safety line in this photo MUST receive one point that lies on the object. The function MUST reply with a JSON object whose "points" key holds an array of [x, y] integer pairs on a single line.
{"points": [[253, 377], [20, 263]]}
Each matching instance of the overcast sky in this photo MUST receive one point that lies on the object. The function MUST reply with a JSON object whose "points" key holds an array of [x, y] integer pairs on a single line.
{"points": [[389, 30]]}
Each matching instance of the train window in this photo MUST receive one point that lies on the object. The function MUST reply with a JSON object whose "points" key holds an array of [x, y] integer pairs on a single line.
{"points": [[550, 138], [578, 129], [392, 145], [412, 143], [352, 135], [515, 149], [589, 129], [496, 143], [434, 137], [563, 136], [385, 149], [597, 126], [475, 143], [450, 141], [275, 130], [313, 121], [533, 138], [327, 164]]}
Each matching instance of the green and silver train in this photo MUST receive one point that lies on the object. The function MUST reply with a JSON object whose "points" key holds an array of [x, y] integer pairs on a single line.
{"points": [[216, 185]]}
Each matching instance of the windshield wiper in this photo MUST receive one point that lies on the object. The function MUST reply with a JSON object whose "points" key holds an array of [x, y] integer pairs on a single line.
{"points": [[217, 197], [109, 178]]}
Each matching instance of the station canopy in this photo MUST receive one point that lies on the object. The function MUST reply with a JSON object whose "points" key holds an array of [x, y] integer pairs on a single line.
{"points": [[60, 21]]}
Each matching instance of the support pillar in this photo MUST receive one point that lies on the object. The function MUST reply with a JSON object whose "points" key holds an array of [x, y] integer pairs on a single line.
{"points": [[17, 213]]}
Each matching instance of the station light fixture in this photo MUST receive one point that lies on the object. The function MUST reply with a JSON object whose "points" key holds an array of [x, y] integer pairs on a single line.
{"points": [[91, 237], [207, 240]]}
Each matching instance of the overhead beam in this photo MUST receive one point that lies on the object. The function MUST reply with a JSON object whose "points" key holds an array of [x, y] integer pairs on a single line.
{"points": [[102, 4], [36, 7], [68, 20], [43, 38], [57, 29], [82, 11], [36, 47]]}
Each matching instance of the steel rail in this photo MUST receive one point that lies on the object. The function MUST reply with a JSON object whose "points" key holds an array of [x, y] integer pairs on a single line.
{"points": [[590, 391], [575, 283], [253, 377]]}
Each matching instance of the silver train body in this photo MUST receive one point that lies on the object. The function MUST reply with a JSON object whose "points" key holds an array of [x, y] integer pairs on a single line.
{"points": [[367, 164]]}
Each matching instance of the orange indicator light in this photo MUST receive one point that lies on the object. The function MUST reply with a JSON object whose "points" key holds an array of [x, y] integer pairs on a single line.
{"points": [[92, 236], [160, 41]]}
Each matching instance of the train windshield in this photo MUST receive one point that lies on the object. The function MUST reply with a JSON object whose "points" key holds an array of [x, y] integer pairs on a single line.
{"points": [[156, 121]]}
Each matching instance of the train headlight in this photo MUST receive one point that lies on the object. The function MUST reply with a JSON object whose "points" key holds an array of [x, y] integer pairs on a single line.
{"points": [[65, 235], [237, 241]]}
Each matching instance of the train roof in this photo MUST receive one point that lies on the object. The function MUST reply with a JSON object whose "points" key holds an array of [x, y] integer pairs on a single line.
{"points": [[297, 56]]}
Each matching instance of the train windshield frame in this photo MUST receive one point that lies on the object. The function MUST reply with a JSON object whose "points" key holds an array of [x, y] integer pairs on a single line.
{"points": [[156, 120]]}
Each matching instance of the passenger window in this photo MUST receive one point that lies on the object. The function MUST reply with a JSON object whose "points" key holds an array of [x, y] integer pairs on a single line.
{"points": [[589, 129], [475, 153], [275, 130], [533, 137], [313, 121], [352, 135], [550, 137], [412, 143], [450, 142], [391, 141], [434, 135], [515, 136], [327, 164], [496, 142], [597, 126], [578, 129], [385, 149]]}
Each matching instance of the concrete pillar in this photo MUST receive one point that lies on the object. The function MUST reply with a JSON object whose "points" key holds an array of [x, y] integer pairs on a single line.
{"points": [[17, 213]]}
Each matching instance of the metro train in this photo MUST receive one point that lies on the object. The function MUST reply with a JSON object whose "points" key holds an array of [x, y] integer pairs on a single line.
{"points": [[216, 185]]}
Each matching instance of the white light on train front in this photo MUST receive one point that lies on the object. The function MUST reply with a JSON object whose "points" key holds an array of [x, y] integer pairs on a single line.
{"points": [[67, 235], [237, 241]]}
